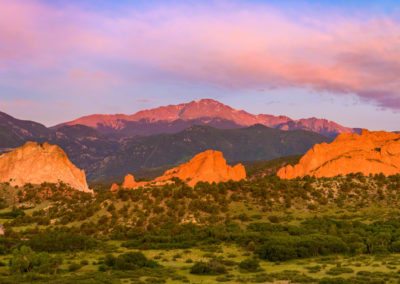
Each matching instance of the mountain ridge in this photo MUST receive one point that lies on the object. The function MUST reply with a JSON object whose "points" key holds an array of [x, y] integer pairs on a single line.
{"points": [[196, 112]]}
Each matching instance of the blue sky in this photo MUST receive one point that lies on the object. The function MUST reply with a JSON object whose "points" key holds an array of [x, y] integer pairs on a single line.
{"points": [[338, 60]]}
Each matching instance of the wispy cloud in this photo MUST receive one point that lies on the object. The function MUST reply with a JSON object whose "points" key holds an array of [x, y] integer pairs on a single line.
{"points": [[234, 46], [19, 103]]}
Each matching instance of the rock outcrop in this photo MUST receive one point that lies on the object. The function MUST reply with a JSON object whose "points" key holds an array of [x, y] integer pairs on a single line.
{"points": [[368, 153], [207, 166], [114, 187], [129, 182], [35, 164]]}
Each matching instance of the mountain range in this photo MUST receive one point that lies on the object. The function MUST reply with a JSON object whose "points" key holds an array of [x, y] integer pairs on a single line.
{"points": [[175, 118], [104, 155]]}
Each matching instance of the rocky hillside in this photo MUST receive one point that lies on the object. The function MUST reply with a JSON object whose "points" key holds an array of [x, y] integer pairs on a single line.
{"points": [[368, 153], [35, 164], [175, 118], [108, 155]]}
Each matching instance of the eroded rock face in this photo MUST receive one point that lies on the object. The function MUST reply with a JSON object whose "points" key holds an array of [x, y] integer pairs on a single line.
{"points": [[207, 166], [369, 153], [129, 182], [33, 163]]}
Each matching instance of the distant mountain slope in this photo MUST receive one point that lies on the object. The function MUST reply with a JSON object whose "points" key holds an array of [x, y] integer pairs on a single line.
{"points": [[108, 155], [174, 118], [83, 145], [321, 126], [144, 127], [253, 143], [15, 132]]}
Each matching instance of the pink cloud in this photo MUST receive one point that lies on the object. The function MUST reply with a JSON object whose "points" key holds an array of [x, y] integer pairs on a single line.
{"points": [[18, 103], [143, 100], [24, 103], [237, 46]]}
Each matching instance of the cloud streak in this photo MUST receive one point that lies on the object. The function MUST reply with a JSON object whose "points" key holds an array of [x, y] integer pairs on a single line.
{"points": [[238, 46]]}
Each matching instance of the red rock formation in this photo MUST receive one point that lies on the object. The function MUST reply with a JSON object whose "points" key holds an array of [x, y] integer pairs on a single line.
{"points": [[207, 166], [33, 163], [129, 182], [114, 187], [369, 153]]}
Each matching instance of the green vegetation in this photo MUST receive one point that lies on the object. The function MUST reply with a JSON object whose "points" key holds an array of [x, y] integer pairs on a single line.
{"points": [[250, 264], [208, 268], [330, 230], [25, 260], [129, 261]]}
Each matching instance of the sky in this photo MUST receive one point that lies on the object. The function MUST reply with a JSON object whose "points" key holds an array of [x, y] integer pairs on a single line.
{"points": [[338, 60]]}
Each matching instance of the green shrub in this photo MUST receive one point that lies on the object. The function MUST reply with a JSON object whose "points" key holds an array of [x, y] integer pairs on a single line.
{"points": [[395, 247], [74, 267], [129, 261], [249, 264], [339, 270], [14, 213], [54, 241], [208, 268], [26, 260], [314, 269], [291, 247], [274, 219], [110, 260], [277, 252]]}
